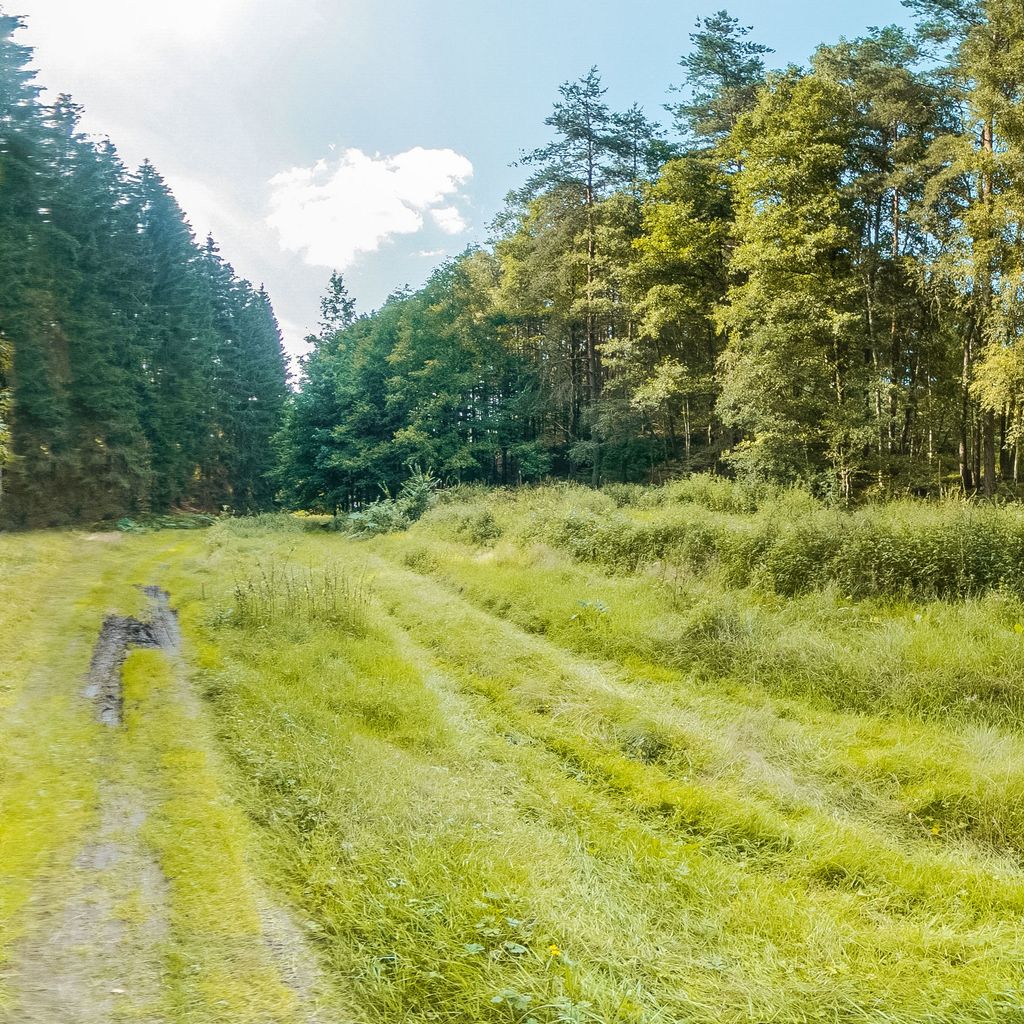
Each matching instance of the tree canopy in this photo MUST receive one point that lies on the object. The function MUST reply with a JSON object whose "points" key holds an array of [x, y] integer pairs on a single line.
{"points": [[819, 280], [138, 372]]}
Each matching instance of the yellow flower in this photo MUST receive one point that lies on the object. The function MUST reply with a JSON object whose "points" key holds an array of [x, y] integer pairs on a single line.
{"points": [[936, 830], [553, 950]]}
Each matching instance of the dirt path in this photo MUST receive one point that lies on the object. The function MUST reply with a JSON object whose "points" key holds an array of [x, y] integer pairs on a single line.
{"points": [[97, 935], [96, 945]]}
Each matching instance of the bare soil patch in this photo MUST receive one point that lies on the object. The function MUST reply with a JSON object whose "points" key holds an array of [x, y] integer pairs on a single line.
{"points": [[117, 635]]}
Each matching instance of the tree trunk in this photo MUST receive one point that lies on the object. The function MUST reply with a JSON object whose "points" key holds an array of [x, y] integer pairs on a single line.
{"points": [[988, 427], [966, 476]]}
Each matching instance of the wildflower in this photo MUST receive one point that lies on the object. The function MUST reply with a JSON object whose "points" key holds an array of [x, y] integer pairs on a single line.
{"points": [[553, 950], [936, 829]]}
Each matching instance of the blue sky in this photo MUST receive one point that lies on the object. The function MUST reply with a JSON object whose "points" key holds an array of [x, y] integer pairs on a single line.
{"points": [[372, 136]]}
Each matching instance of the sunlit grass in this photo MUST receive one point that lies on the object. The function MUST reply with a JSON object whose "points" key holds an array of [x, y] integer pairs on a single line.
{"points": [[47, 782], [498, 783], [217, 967], [697, 845]]}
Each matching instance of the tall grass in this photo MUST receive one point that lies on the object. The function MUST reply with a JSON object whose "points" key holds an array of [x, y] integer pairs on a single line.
{"points": [[274, 591], [785, 542]]}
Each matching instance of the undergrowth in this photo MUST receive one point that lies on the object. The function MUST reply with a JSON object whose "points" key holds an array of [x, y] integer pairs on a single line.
{"points": [[780, 541]]}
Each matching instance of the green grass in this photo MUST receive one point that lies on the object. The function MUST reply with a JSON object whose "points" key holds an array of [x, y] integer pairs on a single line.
{"points": [[216, 966], [779, 541], [501, 780], [52, 602]]}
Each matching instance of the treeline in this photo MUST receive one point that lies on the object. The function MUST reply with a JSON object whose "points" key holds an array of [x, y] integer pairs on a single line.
{"points": [[137, 371], [817, 278]]}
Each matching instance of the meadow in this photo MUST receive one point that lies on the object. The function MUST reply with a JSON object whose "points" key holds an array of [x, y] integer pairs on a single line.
{"points": [[701, 753]]}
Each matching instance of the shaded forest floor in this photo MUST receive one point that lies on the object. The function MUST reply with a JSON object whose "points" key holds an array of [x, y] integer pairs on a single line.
{"points": [[458, 774]]}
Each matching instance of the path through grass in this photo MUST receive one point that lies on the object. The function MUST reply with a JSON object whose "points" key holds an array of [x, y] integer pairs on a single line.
{"points": [[495, 784]]}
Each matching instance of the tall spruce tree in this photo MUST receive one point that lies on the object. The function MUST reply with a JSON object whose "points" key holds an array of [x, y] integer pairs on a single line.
{"points": [[134, 373]]}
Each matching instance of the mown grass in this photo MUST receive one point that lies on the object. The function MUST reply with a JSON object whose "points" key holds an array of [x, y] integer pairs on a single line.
{"points": [[952, 658], [500, 799], [217, 967], [503, 780]]}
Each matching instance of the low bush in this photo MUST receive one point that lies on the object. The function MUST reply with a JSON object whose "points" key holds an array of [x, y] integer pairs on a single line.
{"points": [[470, 524], [170, 521], [389, 514], [384, 516], [258, 525], [791, 544]]}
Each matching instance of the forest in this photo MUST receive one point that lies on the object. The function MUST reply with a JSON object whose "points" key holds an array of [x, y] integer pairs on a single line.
{"points": [[813, 275], [137, 371]]}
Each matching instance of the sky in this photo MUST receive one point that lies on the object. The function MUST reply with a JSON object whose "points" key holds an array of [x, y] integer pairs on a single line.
{"points": [[374, 137]]}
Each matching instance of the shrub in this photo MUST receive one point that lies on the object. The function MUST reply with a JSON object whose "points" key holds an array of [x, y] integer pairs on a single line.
{"points": [[384, 516], [389, 514], [172, 521], [791, 544], [626, 495], [258, 525], [471, 525]]}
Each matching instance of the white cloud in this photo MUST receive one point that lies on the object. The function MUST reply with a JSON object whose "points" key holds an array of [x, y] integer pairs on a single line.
{"points": [[74, 33], [333, 212], [449, 219]]}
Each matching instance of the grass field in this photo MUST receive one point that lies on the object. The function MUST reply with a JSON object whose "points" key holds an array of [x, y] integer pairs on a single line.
{"points": [[523, 763]]}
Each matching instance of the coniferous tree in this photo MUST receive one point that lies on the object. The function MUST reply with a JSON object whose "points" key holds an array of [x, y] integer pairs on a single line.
{"points": [[722, 73], [19, 203], [792, 370], [135, 372]]}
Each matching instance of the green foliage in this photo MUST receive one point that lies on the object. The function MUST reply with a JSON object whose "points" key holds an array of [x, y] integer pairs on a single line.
{"points": [[819, 286], [138, 373], [273, 592], [416, 495], [784, 542], [178, 521]]}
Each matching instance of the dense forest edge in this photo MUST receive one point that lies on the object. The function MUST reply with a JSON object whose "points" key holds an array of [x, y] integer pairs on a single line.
{"points": [[812, 277], [138, 372]]}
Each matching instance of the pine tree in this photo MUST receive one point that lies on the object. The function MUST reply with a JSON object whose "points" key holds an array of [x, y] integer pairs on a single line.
{"points": [[582, 163], [792, 368], [722, 74]]}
